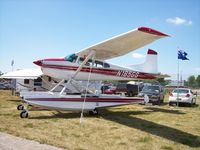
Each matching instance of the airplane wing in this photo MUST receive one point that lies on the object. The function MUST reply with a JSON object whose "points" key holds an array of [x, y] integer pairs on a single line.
{"points": [[23, 74], [123, 44]]}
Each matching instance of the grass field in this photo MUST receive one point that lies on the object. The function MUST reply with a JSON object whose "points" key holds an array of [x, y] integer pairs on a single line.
{"points": [[128, 127]]}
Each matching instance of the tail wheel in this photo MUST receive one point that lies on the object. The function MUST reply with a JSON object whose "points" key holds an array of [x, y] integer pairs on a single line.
{"points": [[24, 114], [20, 107]]}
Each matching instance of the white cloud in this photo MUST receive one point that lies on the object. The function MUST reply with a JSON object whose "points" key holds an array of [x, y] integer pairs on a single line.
{"points": [[190, 22], [179, 21], [138, 56]]}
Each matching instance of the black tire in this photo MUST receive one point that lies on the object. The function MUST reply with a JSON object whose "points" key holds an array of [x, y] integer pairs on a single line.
{"points": [[157, 102], [191, 104], [130, 94], [162, 101], [170, 103], [20, 107], [194, 103], [24, 114]]}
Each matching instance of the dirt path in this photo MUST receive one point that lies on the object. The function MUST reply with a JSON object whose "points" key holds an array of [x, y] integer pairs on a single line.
{"points": [[10, 142]]}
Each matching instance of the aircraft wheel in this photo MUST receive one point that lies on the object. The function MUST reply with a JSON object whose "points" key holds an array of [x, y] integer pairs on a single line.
{"points": [[94, 112], [20, 107], [24, 114]]}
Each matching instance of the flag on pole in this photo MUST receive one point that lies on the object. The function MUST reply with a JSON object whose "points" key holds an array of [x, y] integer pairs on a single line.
{"points": [[12, 62], [182, 55]]}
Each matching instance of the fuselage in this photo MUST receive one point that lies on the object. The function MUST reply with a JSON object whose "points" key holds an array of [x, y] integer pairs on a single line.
{"points": [[61, 68]]}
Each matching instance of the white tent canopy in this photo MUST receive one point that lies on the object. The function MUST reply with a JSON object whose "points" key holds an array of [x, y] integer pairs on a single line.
{"points": [[23, 74]]}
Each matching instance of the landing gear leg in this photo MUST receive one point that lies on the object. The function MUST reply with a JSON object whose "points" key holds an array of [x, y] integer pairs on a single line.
{"points": [[94, 112]]}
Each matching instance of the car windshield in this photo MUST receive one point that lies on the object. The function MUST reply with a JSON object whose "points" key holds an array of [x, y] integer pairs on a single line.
{"points": [[154, 89], [181, 91]]}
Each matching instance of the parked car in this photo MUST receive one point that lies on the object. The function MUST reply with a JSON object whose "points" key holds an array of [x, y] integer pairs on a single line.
{"points": [[5, 86], [111, 90], [182, 95], [108, 89], [2, 86], [104, 87], [154, 92], [128, 89]]}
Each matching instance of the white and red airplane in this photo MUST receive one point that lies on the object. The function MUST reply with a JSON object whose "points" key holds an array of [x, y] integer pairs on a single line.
{"points": [[89, 64]]}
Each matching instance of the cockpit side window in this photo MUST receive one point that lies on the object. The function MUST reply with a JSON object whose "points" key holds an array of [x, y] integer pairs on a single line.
{"points": [[102, 64], [106, 65], [71, 58], [97, 63]]}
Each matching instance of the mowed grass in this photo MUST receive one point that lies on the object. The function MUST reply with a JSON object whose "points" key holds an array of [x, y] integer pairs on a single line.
{"points": [[127, 127]]}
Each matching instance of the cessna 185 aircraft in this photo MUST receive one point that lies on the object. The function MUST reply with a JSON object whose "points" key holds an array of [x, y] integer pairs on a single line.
{"points": [[89, 64]]}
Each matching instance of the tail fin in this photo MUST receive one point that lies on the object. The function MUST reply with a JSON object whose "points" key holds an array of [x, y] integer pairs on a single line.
{"points": [[150, 65]]}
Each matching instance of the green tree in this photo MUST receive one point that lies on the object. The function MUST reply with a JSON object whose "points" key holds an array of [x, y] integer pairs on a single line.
{"points": [[198, 81], [161, 80], [186, 83], [191, 81]]}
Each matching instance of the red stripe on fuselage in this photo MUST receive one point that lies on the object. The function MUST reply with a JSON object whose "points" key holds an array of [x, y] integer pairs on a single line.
{"points": [[118, 73], [89, 99], [54, 59], [105, 71]]}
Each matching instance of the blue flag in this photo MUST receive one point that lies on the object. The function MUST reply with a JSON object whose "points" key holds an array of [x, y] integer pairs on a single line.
{"points": [[182, 55]]}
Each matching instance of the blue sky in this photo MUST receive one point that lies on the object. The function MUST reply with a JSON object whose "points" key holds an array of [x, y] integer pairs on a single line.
{"points": [[35, 29]]}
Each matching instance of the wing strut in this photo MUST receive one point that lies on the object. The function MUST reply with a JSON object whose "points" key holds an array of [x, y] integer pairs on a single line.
{"points": [[83, 106], [90, 55]]}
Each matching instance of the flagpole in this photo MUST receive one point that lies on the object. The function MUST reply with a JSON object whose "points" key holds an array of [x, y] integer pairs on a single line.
{"points": [[178, 81], [12, 64], [183, 56]]}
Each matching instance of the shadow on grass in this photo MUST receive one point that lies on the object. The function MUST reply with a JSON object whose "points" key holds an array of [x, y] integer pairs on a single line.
{"points": [[67, 115], [164, 104], [155, 109], [186, 105], [196, 105], [126, 118], [14, 100]]}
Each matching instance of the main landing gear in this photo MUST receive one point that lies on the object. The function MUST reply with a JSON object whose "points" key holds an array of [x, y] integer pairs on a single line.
{"points": [[94, 112], [24, 113]]}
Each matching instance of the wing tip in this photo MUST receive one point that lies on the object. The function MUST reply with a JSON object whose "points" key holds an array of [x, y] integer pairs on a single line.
{"points": [[152, 31]]}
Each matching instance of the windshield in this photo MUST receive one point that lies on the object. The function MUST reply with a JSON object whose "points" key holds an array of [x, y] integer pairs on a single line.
{"points": [[71, 58], [181, 91], [154, 89]]}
